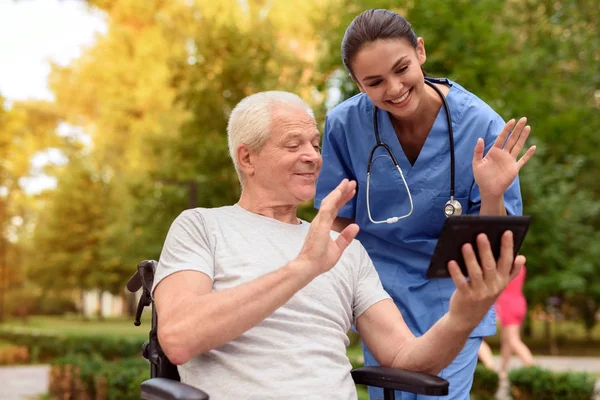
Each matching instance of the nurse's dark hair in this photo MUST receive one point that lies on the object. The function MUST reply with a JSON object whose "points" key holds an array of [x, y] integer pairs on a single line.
{"points": [[374, 25]]}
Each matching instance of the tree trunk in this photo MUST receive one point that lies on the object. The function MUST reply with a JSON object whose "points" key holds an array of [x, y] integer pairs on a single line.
{"points": [[550, 339], [99, 309], [129, 303], [82, 303], [527, 326]]}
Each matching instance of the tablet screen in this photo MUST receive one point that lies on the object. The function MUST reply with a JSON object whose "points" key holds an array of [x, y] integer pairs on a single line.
{"points": [[463, 229]]}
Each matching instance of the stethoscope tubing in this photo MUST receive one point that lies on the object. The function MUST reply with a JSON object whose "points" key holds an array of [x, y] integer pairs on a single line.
{"points": [[380, 143]]}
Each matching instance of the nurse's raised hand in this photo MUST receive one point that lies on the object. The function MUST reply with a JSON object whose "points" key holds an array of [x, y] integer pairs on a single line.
{"points": [[474, 296], [320, 252], [495, 172]]}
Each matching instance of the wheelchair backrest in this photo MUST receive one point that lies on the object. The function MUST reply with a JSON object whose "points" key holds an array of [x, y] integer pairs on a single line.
{"points": [[160, 366]]}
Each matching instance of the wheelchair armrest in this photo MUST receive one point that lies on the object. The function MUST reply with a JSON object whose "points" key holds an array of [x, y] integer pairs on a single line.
{"points": [[399, 379], [168, 389]]}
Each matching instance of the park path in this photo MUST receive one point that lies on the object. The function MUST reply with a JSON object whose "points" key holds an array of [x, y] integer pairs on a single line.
{"points": [[27, 381], [20, 382]]}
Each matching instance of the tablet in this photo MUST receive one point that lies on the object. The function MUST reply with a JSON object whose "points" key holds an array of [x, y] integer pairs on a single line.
{"points": [[463, 229]]}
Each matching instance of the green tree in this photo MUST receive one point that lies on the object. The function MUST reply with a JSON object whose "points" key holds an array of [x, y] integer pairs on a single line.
{"points": [[26, 128], [563, 245], [75, 241], [155, 93]]}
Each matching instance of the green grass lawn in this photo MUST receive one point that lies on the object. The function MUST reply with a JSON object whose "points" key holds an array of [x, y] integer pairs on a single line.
{"points": [[570, 336], [76, 325]]}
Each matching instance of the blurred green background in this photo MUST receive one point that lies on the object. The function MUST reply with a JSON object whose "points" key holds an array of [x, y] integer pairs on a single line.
{"points": [[138, 121]]}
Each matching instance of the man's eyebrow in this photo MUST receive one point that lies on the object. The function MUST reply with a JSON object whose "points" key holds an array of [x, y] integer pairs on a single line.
{"points": [[396, 64], [291, 135], [296, 135]]}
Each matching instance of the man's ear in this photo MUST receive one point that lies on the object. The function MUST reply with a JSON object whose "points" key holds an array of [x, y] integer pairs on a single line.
{"points": [[362, 90], [245, 159]]}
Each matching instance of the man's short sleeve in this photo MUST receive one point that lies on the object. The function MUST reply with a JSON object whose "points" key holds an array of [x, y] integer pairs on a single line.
{"points": [[186, 248], [368, 288]]}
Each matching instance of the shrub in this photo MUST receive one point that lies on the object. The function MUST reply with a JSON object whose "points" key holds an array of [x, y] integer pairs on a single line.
{"points": [[534, 383], [56, 305], [123, 379], [25, 301], [21, 302], [11, 354], [485, 384], [87, 377], [47, 346], [72, 377]]}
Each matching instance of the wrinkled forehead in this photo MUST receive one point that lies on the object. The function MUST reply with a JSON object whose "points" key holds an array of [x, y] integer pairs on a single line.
{"points": [[293, 121]]}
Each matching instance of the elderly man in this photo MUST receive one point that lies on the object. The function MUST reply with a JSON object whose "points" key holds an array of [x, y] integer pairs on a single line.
{"points": [[253, 301]]}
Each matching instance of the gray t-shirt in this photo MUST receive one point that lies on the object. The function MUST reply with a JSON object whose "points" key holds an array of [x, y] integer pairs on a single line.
{"points": [[299, 351]]}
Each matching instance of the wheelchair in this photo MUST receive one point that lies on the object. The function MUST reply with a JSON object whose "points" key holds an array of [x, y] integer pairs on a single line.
{"points": [[164, 382]]}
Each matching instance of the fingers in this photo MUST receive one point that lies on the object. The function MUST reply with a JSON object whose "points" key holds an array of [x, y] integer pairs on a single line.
{"points": [[519, 263], [487, 277], [505, 262], [515, 150], [347, 195], [501, 139], [513, 138], [523, 160], [335, 200], [515, 135], [486, 268], [486, 256], [473, 267], [347, 236], [457, 276], [333, 197], [478, 152]]}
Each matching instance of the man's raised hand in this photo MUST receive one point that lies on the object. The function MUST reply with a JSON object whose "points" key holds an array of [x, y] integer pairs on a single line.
{"points": [[320, 251]]}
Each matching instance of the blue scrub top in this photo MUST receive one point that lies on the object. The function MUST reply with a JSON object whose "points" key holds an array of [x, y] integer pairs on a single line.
{"points": [[401, 251]]}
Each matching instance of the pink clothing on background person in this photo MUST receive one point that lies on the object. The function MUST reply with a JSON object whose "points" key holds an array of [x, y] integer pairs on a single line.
{"points": [[511, 305]]}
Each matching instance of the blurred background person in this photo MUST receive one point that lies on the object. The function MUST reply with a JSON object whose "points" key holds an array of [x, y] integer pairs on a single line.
{"points": [[485, 356], [511, 308]]}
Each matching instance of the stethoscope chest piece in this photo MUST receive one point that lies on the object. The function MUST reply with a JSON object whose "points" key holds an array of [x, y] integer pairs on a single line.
{"points": [[452, 208]]}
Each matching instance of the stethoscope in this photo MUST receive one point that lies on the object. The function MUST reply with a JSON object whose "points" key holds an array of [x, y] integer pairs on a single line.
{"points": [[452, 206]]}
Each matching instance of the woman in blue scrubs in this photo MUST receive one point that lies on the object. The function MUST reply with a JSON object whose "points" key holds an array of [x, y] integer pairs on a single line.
{"points": [[384, 58]]}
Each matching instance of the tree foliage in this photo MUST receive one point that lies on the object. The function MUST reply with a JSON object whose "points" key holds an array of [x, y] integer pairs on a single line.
{"points": [[154, 93], [26, 129]]}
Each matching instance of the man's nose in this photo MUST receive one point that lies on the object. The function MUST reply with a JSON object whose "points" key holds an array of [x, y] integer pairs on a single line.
{"points": [[310, 154]]}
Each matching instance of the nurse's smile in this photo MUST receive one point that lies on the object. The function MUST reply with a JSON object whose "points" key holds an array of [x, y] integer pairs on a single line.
{"points": [[401, 101]]}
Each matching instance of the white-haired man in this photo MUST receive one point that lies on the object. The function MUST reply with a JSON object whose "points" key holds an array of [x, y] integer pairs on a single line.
{"points": [[254, 303]]}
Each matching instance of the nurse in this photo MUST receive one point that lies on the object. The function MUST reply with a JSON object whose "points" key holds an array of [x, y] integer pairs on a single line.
{"points": [[384, 58]]}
